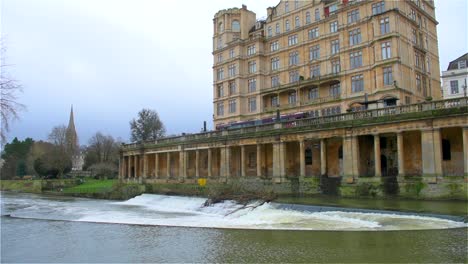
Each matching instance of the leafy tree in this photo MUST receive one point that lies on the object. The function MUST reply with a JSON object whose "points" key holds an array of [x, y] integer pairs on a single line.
{"points": [[38, 150], [15, 155], [147, 126]]}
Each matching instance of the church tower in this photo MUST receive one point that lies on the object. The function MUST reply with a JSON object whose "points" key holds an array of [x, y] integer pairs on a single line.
{"points": [[72, 143], [71, 136]]}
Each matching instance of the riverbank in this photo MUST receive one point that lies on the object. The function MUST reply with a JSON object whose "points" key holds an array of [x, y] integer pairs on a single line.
{"points": [[88, 188]]}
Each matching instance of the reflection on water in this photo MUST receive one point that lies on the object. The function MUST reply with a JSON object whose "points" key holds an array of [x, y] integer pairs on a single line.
{"points": [[31, 240]]}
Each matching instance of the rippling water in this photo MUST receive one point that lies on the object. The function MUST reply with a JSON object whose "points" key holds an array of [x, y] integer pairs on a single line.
{"points": [[153, 228]]}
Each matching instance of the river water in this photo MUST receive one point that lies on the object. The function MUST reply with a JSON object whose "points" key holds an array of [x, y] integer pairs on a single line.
{"points": [[158, 228]]}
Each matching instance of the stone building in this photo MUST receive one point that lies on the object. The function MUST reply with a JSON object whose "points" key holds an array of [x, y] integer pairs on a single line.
{"points": [[363, 70], [454, 78], [323, 58]]}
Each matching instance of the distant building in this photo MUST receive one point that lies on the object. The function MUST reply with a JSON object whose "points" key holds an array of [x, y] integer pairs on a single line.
{"points": [[323, 58], [72, 144], [454, 78]]}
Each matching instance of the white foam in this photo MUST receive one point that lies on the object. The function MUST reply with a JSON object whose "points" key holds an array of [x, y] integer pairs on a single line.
{"points": [[166, 210]]}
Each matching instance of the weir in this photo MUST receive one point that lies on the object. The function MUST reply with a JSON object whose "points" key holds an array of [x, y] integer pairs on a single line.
{"points": [[163, 210], [417, 150]]}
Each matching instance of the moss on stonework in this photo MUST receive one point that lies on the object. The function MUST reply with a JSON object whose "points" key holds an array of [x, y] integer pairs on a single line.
{"points": [[457, 191], [414, 189], [367, 189]]}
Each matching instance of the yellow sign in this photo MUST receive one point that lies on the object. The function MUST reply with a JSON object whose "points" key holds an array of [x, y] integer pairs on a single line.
{"points": [[202, 182]]}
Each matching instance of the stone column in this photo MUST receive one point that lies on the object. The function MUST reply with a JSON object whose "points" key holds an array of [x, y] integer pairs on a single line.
{"points": [[145, 166], [168, 164], [225, 162], [431, 154], [120, 175], [259, 160], [135, 166], [465, 150], [278, 161], [228, 162], [210, 154], [156, 165], [377, 161], [283, 159], [129, 167], [243, 167], [197, 160], [182, 165], [302, 158], [350, 158], [400, 153], [323, 157]]}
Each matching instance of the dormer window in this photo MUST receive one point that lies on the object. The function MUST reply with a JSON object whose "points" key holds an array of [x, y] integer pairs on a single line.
{"points": [[462, 64]]}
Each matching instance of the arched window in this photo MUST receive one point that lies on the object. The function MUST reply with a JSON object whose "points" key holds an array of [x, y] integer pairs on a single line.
{"points": [[235, 26], [270, 32], [307, 17], [277, 29], [220, 27], [297, 23], [287, 25]]}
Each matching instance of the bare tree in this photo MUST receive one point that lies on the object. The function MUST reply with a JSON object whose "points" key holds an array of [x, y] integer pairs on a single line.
{"points": [[60, 156], [102, 155], [9, 88], [58, 136], [102, 148], [148, 126]]}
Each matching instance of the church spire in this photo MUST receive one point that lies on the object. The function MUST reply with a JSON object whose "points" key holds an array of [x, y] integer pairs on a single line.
{"points": [[71, 122], [71, 136]]}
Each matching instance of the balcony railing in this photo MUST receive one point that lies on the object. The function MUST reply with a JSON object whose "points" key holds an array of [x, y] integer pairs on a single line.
{"points": [[424, 109], [321, 100]]}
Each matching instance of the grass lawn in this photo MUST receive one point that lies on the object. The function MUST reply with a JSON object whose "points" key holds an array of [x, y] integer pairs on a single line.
{"points": [[92, 186]]}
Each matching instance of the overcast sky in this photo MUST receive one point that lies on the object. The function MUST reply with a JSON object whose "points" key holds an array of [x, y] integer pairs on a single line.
{"points": [[111, 58]]}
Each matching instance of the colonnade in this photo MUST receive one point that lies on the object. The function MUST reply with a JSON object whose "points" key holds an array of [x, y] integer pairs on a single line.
{"points": [[428, 152]]}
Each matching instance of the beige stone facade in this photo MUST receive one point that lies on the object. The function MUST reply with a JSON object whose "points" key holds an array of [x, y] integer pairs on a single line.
{"points": [[359, 130], [323, 58], [427, 140]]}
